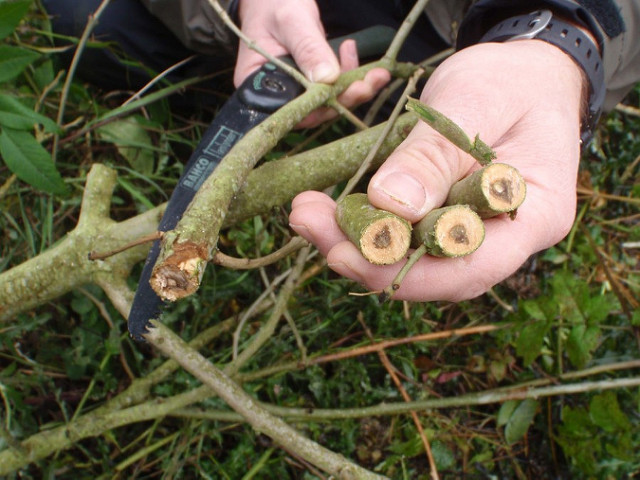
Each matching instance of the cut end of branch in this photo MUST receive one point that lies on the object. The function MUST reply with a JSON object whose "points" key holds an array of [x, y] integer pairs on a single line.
{"points": [[385, 241], [492, 190], [451, 231], [179, 274], [382, 237], [504, 187], [459, 232]]}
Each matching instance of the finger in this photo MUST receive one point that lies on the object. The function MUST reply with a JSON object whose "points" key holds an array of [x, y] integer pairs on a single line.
{"points": [[313, 218], [305, 39], [417, 176], [415, 179], [358, 92], [311, 196], [505, 248], [248, 61], [348, 54]]}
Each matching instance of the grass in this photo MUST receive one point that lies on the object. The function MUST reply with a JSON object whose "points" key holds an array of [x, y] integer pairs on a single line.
{"points": [[575, 320]]}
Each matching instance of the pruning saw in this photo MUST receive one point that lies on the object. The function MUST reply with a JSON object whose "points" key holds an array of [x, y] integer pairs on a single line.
{"points": [[261, 94]]}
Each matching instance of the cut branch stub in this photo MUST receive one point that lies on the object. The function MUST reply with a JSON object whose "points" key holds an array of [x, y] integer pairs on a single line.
{"points": [[451, 231], [382, 237], [446, 127], [179, 275], [492, 190]]}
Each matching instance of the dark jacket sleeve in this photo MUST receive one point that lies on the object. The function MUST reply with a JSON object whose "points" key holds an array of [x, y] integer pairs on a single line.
{"points": [[195, 23], [616, 25]]}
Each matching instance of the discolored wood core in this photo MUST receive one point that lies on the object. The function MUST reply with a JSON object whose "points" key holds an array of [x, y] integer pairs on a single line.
{"points": [[459, 234], [385, 241]]}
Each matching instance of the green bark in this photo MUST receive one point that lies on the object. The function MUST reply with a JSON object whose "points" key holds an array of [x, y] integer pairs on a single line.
{"points": [[251, 410], [451, 231], [186, 249], [65, 266], [446, 127], [492, 190], [382, 237]]}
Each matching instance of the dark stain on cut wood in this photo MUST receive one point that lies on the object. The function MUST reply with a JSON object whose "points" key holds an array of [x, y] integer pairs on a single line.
{"points": [[382, 238], [502, 189], [459, 234]]}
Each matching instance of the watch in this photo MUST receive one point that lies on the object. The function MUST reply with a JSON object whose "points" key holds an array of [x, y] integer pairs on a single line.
{"points": [[542, 25]]}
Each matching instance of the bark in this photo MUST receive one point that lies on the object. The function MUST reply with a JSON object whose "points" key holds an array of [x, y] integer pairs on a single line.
{"points": [[451, 231], [186, 250], [479, 150], [66, 266], [251, 410], [275, 183], [382, 237], [492, 190]]}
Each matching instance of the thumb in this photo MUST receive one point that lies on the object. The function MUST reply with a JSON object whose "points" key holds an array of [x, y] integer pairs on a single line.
{"points": [[417, 177]]}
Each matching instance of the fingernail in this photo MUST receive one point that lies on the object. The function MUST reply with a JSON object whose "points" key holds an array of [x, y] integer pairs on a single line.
{"points": [[324, 72], [299, 227], [404, 189], [304, 231]]}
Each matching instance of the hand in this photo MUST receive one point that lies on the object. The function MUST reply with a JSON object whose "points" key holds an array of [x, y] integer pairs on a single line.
{"points": [[524, 98], [283, 27]]}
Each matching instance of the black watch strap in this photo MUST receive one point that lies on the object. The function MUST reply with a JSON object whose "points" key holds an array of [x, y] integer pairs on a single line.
{"points": [[542, 25]]}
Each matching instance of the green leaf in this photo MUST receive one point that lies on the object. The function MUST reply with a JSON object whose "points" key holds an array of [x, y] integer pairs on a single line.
{"points": [[13, 60], [133, 143], [520, 420], [533, 309], [442, 455], [30, 161], [606, 413], [530, 341], [11, 12], [578, 437], [505, 412], [622, 447], [14, 114], [582, 341], [43, 74]]}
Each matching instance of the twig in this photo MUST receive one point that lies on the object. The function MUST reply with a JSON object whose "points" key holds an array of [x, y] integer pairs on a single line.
{"points": [[140, 241], [346, 113], [628, 109], [402, 408], [292, 72], [91, 23], [373, 348], [260, 419], [267, 330], [446, 127], [417, 254], [383, 97], [156, 79], [245, 317], [295, 244], [384, 359], [405, 29], [607, 196], [366, 164]]}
